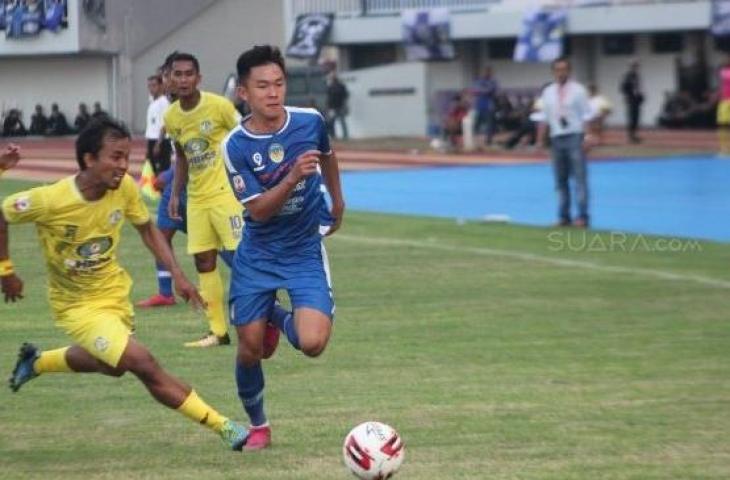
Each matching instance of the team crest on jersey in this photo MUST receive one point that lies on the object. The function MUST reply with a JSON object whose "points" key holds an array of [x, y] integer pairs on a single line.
{"points": [[238, 184], [206, 126], [95, 246], [115, 217], [21, 204], [276, 152], [196, 146]]}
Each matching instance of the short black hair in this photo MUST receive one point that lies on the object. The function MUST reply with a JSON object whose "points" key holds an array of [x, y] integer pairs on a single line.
{"points": [[562, 59], [91, 138], [155, 78], [185, 57], [167, 64], [257, 56]]}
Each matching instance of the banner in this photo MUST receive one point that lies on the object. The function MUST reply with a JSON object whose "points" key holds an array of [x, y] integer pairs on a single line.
{"points": [[310, 32], [26, 18], [427, 34], [720, 18], [542, 35]]}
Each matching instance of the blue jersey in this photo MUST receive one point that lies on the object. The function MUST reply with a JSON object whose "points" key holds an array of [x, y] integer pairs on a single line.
{"points": [[257, 163]]}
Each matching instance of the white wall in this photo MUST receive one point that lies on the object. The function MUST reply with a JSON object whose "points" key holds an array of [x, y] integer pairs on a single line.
{"points": [[66, 81], [387, 115]]}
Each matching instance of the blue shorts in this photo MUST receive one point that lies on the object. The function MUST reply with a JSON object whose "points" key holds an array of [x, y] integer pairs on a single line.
{"points": [[165, 222], [254, 283]]}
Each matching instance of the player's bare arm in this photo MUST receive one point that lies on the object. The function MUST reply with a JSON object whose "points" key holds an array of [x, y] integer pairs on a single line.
{"points": [[9, 157], [178, 182], [156, 243], [12, 285], [268, 204], [331, 176], [160, 139]]}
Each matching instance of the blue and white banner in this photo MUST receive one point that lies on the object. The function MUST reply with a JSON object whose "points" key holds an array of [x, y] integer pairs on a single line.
{"points": [[427, 34], [720, 18], [310, 32], [542, 36], [27, 18]]}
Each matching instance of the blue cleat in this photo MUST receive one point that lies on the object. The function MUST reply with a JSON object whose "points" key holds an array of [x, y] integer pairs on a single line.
{"points": [[234, 435], [23, 371]]}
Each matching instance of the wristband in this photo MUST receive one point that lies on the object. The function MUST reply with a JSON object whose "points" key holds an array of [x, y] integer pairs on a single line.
{"points": [[6, 268]]}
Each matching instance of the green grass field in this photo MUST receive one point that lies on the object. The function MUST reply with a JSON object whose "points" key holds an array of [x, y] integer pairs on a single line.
{"points": [[496, 354]]}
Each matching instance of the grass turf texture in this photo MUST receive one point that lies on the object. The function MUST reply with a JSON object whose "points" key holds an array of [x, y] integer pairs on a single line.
{"points": [[491, 363]]}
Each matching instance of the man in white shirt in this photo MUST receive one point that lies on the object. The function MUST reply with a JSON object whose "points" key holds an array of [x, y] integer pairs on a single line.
{"points": [[566, 109], [159, 158]]}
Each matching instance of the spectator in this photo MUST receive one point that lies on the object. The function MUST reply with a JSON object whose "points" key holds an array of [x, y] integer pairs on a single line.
{"points": [[57, 124], [13, 125], [527, 124], [565, 106], [677, 110], [38, 121], [98, 112], [337, 96], [82, 118], [600, 109], [484, 90], [453, 120], [633, 97]]}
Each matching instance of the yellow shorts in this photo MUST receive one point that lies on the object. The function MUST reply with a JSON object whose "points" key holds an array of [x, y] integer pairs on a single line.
{"points": [[100, 327], [723, 112], [215, 227]]}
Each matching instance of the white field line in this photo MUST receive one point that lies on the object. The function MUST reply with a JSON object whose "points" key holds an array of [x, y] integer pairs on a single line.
{"points": [[531, 257]]}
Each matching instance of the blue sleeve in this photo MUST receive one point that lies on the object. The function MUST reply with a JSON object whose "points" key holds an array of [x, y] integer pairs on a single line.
{"points": [[243, 182], [324, 138]]}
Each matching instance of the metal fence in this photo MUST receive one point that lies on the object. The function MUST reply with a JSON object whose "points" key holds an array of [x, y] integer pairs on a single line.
{"points": [[349, 8]]}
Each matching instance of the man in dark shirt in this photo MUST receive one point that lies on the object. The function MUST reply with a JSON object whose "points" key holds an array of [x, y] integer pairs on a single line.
{"points": [[337, 96], [634, 97]]}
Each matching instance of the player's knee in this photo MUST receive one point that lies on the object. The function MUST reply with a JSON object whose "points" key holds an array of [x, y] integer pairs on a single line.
{"points": [[145, 367], [313, 347]]}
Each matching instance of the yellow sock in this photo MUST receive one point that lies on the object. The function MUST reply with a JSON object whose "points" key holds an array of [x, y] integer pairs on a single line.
{"points": [[196, 409], [52, 361], [211, 289]]}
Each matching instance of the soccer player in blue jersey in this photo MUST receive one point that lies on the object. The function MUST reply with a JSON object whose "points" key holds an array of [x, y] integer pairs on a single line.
{"points": [[278, 159]]}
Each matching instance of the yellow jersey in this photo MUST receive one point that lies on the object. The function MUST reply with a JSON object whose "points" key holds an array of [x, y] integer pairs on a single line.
{"points": [[200, 132], [78, 237]]}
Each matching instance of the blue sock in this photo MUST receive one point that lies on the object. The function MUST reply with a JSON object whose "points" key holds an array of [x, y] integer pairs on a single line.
{"points": [[250, 381], [164, 281], [227, 256], [285, 321]]}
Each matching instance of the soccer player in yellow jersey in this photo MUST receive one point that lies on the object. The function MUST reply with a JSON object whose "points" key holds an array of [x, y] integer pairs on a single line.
{"points": [[9, 157], [198, 122], [79, 220]]}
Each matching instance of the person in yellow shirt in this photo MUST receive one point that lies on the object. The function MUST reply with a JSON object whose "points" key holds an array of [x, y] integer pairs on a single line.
{"points": [[198, 122], [9, 157], [79, 220]]}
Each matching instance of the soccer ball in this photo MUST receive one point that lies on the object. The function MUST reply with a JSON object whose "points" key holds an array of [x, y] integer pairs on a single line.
{"points": [[373, 451]]}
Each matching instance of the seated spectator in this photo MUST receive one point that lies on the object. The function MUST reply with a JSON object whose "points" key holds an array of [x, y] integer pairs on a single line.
{"points": [[601, 108], [504, 113], [98, 112], [57, 124], [452, 121], [676, 110], [526, 124], [13, 125], [38, 121], [82, 118]]}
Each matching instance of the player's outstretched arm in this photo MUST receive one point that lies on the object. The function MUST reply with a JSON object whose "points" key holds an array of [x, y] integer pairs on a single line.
{"points": [[9, 157], [268, 204], [12, 285], [331, 176], [156, 243]]}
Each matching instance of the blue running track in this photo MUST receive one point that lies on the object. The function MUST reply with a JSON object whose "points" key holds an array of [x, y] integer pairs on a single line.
{"points": [[674, 196]]}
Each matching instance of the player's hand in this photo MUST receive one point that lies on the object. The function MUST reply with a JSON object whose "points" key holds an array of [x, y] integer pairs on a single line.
{"points": [[337, 211], [10, 156], [12, 287], [305, 164], [173, 208], [189, 293]]}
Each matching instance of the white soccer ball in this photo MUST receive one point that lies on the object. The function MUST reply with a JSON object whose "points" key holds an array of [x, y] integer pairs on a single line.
{"points": [[373, 451]]}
